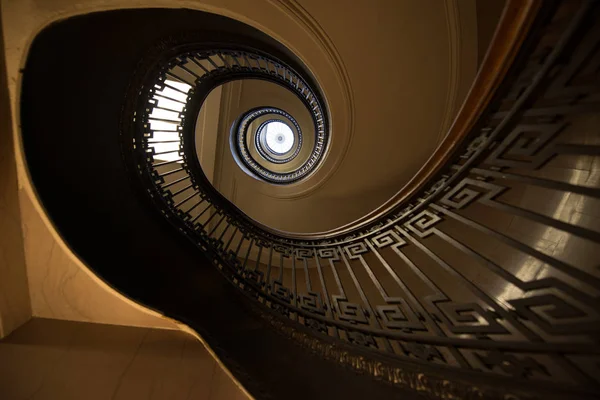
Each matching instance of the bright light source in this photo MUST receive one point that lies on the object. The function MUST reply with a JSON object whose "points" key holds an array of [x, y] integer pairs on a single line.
{"points": [[279, 137]]}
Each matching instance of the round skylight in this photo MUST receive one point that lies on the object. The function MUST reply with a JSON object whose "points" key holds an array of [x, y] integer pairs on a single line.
{"points": [[279, 137]]}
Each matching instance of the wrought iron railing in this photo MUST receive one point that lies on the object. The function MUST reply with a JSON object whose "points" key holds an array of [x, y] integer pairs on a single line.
{"points": [[491, 270]]}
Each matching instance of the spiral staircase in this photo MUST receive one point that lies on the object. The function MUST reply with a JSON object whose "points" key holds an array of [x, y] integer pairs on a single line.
{"points": [[468, 269]]}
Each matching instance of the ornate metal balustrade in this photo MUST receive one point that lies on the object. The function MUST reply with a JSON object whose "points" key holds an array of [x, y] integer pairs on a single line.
{"points": [[490, 275]]}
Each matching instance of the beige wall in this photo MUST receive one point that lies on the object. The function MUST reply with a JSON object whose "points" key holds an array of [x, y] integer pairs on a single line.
{"points": [[15, 308], [61, 288]]}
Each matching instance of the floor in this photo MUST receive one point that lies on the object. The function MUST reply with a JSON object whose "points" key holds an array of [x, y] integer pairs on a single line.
{"points": [[53, 359]]}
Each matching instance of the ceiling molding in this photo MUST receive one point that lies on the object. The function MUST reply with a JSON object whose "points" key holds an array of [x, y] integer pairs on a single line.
{"points": [[461, 22]]}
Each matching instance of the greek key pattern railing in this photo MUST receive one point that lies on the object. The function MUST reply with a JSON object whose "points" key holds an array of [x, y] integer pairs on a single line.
{"points": [[492, 269]]}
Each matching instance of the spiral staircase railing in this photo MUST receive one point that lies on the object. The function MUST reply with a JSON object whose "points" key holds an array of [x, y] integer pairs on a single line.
{"points": [[478, 280], [421, 283]]}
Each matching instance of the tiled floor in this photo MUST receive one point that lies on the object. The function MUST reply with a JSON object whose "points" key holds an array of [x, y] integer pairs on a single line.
{"points": [[62, 360]]}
